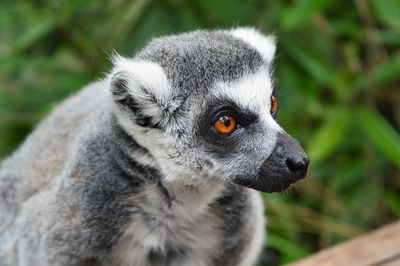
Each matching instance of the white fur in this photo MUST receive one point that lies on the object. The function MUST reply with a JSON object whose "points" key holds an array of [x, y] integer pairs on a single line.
{"points": [[262, 43], [146, 81], [185, 215], [251, 91]]}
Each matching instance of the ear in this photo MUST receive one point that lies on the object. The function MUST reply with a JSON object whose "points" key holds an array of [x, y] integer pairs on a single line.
{"points": [[141, 89], [264, 44]]}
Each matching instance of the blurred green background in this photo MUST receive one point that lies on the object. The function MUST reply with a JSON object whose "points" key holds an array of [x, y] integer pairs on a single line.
{"points": [[337, 66]]}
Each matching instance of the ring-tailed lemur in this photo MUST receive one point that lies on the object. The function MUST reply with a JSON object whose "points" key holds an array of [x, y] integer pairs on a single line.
{"points": [[158, 164]]}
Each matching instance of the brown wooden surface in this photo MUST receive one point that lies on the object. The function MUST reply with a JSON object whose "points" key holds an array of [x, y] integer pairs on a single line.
{"points": [[381, 247]]}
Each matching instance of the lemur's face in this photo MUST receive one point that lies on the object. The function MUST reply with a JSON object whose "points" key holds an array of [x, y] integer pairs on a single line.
{"points": [[204, 105]]}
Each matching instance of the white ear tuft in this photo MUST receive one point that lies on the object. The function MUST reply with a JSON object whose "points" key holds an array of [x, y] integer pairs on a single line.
{"points": [[264, 44], [142, 87], [142, 77]]}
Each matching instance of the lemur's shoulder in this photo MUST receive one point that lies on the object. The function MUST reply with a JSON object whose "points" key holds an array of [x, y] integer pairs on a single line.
{"points": [[43, 155]]}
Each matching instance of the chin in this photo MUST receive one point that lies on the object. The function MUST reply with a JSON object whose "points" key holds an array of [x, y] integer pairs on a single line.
{"points": [[265, 184]]}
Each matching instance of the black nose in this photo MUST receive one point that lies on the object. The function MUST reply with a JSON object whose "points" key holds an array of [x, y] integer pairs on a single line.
{"points": [[298, 166]]}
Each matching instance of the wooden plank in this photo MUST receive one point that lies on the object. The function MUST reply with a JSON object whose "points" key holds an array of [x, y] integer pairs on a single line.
{"points": [[379, 248]]}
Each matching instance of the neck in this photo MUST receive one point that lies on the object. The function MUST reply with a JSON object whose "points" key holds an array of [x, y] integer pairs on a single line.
{"points": [[193, 200]]}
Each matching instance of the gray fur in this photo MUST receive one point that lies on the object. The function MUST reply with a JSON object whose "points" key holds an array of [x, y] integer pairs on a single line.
{"points": [[193, 66], [130, 173]]}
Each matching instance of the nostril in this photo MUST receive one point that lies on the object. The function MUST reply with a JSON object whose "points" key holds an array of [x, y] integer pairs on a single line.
{"points": [[298, 166]]}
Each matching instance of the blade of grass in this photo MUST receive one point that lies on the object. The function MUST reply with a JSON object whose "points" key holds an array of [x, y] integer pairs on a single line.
{"points": [[388, 12], [328, 137], [298, 15], [381, 133]]}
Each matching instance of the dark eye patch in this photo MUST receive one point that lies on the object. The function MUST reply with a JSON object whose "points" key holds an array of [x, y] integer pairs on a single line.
{"points": [[243, 116], [220, 145], [217, 107]]}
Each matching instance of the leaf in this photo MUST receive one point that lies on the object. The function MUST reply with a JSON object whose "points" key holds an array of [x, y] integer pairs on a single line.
{"points": [[381, 133], [189, 19], [388, 12], [350, 175], [290, 250], [125, 18], [149, 26], [228, 11], [389, 36], [312, 64], [31, 36], [328, 137], [393, 202], [298, 15], [387, 71]]}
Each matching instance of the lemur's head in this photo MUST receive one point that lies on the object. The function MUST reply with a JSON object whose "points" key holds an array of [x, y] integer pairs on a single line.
{"points": [[204, 105]]}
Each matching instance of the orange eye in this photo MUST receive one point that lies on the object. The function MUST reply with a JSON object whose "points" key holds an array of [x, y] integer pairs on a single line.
{"points": [[225, 125], [274, 105]]}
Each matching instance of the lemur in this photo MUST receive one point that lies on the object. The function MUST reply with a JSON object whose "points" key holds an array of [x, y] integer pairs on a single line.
{"points": [[159, 163]]}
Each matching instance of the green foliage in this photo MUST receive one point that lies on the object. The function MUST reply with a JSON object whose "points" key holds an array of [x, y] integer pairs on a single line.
{"points": [[381, 134], [337, 66]]}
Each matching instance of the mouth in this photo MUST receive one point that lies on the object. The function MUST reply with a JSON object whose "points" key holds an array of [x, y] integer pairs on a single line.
{"points": [[263, 184]]}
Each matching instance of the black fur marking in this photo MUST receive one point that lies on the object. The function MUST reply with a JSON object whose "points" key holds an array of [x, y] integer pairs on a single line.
{"points": [[156, 257], [124, 139], [168, 197], [166, 258], [145, 121], [233, 208], [119, 84], [124, 144], [131, 105]]}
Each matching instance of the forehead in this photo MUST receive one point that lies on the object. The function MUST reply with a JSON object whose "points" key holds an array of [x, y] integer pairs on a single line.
{"points": [[251, 91], [198, 60]]}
